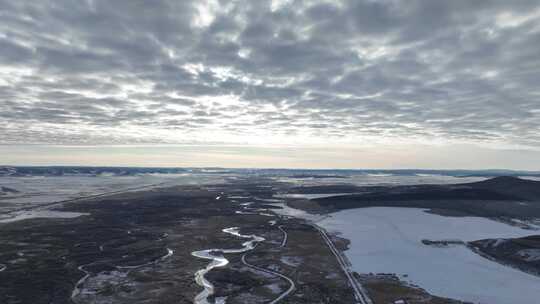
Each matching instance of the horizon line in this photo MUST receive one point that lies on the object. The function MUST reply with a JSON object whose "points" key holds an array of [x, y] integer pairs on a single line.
{"points": [[270, 168]]}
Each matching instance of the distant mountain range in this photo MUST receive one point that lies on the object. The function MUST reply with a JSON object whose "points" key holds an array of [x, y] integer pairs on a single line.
{"points": [[292, 173]]}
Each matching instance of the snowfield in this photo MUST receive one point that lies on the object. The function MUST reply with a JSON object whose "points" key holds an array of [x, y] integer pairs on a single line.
{"points": [[388, 240], [35, 191]]}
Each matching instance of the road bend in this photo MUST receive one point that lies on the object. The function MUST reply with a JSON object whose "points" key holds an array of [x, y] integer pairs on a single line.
{"points": [[284, 241], [292, 286]]}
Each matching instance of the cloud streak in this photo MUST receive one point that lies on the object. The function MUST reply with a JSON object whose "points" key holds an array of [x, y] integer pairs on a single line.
{"points": [[351, 71]]}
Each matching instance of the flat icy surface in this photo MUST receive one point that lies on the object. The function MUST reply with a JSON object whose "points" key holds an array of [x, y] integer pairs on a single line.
{"points": [[23, 215], [37, 190], [34, 192], [383, 180], [389, 240]]}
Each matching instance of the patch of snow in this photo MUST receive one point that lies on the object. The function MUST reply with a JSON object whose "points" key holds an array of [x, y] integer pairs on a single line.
{"points": [[498, 242], [94, 284], [529, 255], [221, 300], [293, 212], [526, 224], [332, 276], [269, 200], [38, 190], [274, 267], [243, 212], [23, 215], [274, 288], [311, 195], [382, 180], [291, 260]]}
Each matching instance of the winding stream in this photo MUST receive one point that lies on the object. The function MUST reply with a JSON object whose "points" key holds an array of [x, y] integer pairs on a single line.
{"points": [[218, 260], [170, 252], [79, 285]]}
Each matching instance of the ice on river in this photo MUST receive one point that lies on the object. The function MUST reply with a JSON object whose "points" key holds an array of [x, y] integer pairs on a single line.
{"points": [[388, 240]]}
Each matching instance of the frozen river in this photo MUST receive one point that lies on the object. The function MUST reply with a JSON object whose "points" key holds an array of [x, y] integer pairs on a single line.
{"points": [[388, 240]]}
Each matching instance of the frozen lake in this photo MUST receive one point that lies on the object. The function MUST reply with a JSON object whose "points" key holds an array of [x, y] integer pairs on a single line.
{"points": [[389, 240]]}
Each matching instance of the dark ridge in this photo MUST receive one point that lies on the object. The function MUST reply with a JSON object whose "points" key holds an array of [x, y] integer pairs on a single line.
{"points": [[345, 188], [510, 252], [522, 188], [502, 197], [506, 181], [426, 193]]}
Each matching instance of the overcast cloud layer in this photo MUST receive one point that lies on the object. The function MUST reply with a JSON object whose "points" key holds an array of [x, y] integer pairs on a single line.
{"points": [[352, 71]]}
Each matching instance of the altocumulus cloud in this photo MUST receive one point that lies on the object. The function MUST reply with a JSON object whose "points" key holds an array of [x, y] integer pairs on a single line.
{"points": [[112, 72]]}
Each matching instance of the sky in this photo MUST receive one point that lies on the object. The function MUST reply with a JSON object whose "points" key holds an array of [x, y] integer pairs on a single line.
{"points": [[288, 83]]}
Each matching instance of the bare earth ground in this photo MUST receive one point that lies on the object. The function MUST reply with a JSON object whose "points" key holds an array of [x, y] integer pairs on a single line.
{"points": [[136, 247], [386, 288], [521, 253], [119, 253]]}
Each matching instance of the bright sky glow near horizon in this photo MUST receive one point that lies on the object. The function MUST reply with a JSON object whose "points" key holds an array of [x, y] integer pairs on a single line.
{"points": [[289, 83]]}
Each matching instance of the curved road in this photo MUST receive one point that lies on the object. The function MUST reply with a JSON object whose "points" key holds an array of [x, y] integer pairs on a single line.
{"points": [[201, 297], [169, 253], [77, 290], [284, 241], [78, 286], [292, 286]]}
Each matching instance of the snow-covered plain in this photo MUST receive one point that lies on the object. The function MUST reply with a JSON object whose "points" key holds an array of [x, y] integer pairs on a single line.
{"points": [[23, 215], [34, 191], [382, 180], [388, 240]]}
